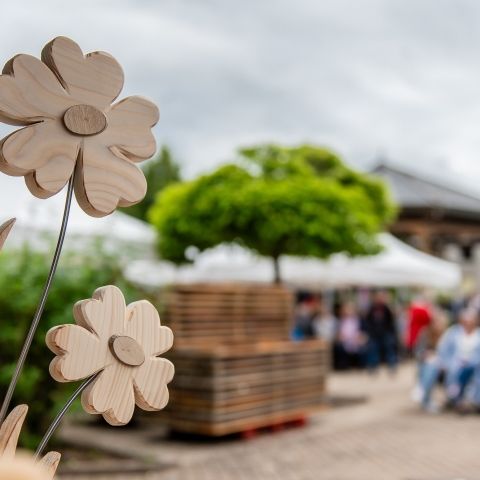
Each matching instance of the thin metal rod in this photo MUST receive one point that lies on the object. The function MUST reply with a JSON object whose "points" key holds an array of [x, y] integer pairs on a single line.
{"points": [[41, 305], [61, 414]]}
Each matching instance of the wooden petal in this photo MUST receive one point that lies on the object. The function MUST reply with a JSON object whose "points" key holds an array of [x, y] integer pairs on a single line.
{"points": [[129, 127], [10, 430], [44, 152], [95, 79], [150, 382], [112, 395], [79, 353], [144, 326], [104, 314], [30, 92], [106, 179], [5, 228], [50, 462]]}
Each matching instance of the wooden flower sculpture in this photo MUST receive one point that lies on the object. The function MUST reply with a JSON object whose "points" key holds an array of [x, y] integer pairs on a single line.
{"points": [[123, 344], [9, 433], [65, 101]]}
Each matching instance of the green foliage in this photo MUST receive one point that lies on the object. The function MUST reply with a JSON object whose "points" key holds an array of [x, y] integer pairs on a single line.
{"points": [[159, 172], [22, 274], [299, 201]]}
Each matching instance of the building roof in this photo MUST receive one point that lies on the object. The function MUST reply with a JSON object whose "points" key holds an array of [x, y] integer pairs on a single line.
{"points": [[414, 192]]}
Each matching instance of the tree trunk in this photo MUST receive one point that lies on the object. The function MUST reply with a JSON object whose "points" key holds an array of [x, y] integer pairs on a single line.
{"points": [[276, 270]]}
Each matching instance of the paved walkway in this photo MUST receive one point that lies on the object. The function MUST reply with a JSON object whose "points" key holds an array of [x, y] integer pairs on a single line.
{"points": [[384, 438]]}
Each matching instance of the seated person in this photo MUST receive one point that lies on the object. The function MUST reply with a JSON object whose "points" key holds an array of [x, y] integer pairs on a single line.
{"points": [[425, 351], [458, 356]]}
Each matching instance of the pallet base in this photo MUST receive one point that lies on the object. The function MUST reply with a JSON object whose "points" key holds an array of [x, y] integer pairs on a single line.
{"points": [[221, 391]]}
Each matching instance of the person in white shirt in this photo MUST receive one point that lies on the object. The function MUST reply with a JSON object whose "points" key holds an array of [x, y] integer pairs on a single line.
{"points": [[459, 355]]}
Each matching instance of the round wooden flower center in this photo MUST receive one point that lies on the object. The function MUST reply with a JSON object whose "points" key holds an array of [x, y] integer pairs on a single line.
{"points": [[127, 350], [84, 120]]}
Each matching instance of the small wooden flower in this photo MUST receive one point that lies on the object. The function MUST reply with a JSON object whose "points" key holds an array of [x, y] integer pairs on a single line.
{"points": [[9, 433], [123, 343], [66, 101]]}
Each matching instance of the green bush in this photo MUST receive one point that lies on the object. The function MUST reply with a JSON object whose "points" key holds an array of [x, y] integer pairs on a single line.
{"points": [[22, 275]]}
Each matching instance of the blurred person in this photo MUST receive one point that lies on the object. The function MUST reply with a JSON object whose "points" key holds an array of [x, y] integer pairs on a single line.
{"points": [[380, 327], [349, 349], [425, 351], [419, 316], [457, 357], [305, 312], [325, 323], [459, 354]]}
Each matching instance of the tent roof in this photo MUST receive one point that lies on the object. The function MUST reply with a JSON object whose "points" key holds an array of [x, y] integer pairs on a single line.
{"points": [[397, 265], [37, 218]]}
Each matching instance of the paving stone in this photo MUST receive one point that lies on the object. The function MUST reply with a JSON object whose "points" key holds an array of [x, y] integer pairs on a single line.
{"points": [[385, 438]]}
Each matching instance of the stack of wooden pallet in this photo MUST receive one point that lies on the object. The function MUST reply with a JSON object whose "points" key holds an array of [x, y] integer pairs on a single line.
{"points": [[236, 369]]}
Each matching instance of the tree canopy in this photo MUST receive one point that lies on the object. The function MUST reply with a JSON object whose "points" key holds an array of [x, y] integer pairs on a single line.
{"points": [[159, 172], [276, 200]]}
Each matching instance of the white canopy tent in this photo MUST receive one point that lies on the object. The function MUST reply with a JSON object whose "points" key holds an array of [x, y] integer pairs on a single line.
{"points": [[38, 223], [397, 265]]}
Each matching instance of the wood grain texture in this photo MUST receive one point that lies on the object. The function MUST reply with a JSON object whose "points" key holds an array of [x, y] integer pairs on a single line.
{"points": [[229, 313], [5, 229], [236, 367], [30, 92], [10, 430], [127, 350], [132, 372], [84, 120], [65, 101], [50, 462], [105, 180], [223, 390], [9, 434]]}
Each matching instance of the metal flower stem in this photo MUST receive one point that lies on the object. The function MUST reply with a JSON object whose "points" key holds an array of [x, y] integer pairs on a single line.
{"points": [[53, 426], [41, 305]]}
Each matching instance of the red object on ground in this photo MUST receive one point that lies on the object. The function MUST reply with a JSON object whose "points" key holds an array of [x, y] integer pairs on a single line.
{"points": [[419, 316], [249, 434], [273, 428]]}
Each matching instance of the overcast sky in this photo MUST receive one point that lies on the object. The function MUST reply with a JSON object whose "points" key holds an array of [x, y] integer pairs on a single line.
{"points": [[398, 78]]}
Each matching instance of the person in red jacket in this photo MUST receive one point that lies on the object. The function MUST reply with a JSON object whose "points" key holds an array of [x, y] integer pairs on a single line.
{"points": [[419, 316]]}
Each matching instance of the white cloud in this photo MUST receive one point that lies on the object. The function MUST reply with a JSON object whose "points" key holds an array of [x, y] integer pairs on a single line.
{"points": [[361, 76]]}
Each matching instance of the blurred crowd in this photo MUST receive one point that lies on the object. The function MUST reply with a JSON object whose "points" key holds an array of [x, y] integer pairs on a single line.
{"points": [[370, 329], [363, 334]]}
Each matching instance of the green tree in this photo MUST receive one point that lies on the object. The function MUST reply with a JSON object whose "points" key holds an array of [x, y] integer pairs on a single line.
{"points": [[159, 172], [300, 201]]}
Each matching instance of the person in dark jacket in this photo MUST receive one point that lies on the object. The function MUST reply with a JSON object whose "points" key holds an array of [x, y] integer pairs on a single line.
{"points": [[380, 328]]}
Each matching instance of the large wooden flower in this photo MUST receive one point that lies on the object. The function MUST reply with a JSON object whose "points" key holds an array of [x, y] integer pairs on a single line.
{"points": [[66, 102], [124, 344]]}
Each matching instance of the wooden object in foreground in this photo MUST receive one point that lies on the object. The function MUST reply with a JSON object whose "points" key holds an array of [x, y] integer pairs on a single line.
{"points": [[121, 342], [71, 125], [5, 230], [236, 369], [9, 433]]}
